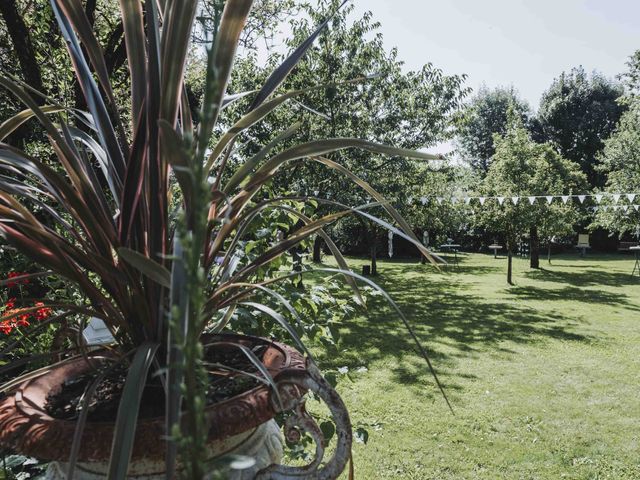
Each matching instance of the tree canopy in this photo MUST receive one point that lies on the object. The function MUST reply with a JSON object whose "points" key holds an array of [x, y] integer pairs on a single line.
{"points": [[483, 117], [577, 114]]}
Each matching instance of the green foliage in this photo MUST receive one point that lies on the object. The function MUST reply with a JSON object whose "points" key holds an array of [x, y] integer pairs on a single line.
{"points": [[620, 161], [577, 113], [483, 117], [631, 78]]}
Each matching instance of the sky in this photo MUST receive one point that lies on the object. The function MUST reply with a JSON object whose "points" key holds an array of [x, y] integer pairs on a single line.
{"points": [[524, 43]]}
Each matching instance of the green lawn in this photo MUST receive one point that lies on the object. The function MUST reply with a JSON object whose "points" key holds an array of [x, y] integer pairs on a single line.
{"points": [[543, 376]]}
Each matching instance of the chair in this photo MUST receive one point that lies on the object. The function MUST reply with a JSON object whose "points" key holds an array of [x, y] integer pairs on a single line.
{"points": [[583, 243]]}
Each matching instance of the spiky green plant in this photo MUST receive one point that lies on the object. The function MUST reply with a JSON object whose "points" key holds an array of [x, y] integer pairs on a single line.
{"points": [[149, 272]]}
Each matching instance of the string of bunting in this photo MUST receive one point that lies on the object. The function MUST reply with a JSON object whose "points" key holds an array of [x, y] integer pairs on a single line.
{"points": [[532, 199]]}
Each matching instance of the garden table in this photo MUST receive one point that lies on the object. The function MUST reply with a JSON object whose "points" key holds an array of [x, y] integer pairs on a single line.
{"points": [[636, 266], [452, 247], [495, 249]]}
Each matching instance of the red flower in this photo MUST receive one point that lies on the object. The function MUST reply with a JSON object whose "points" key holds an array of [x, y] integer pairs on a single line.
{"points": [[11, 303], [14, 275], [23, 320], [43, 312]]}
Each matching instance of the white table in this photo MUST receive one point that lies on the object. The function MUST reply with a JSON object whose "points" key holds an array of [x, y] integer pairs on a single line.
{"points": [[495, 249]]}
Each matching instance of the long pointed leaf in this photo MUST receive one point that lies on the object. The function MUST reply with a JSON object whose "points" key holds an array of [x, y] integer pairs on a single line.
{"points": [[127, 419]]}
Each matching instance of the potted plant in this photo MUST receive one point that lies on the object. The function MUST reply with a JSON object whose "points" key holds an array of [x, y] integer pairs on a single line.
{"points": [[144, 218]]}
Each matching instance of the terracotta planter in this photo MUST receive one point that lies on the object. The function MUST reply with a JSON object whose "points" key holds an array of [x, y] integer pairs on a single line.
{"points": [[27, 428]]}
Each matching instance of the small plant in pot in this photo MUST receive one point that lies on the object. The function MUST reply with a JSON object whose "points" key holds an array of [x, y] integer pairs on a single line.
{"points": [[146, 221]]}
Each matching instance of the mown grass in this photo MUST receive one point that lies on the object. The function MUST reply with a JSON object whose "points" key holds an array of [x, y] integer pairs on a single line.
{"points": [[543, 375]]}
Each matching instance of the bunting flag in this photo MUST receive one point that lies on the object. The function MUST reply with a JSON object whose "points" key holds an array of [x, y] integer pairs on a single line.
{"points": [[610, 199], [625, 208], [635, 207], [605, 208], [595, 209]]}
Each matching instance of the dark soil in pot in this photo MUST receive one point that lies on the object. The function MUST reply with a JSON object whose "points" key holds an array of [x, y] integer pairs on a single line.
{"points": [[103, 407]]}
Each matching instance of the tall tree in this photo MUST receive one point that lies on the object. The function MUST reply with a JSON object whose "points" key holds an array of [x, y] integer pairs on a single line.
{"points": [[577, 114], [407, 109], [483, 117], [523, 168], [620, 162]]}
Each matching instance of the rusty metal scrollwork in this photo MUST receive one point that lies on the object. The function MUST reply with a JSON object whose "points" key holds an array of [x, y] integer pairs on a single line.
{"points": [[289, 383]]}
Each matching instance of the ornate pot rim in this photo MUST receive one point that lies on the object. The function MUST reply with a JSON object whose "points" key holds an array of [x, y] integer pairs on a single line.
{"points": [[27, 428]]}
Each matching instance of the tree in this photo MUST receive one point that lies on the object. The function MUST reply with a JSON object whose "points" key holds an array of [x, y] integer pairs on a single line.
{"points": [[406, 109], [483, 117], [523, 168], [577, 114], [631, 78], [620, 162]]}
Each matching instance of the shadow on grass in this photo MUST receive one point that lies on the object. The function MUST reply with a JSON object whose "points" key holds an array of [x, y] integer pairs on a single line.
{"points": [[584, 277], [575, 294], [450, 322]]}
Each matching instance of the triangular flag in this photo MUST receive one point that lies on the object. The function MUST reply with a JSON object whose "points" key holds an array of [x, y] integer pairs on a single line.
{"points": [[439, 200], [481, 199], [581, 198], [599, 197], [625, 208], [549, 199], [635, 207], [595, 209], [424, 200], [616, 207], [531, 200], [500, 200], [631, 196], [565, 198], [616, 197], [410, 200], [605, 208], [467, 200], [454, 200]]}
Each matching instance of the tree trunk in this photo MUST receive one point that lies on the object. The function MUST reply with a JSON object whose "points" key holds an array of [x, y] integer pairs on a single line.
{"points": [[534, 247], [297, 267], [374, 253], [317, 249], [549, 252], [509, 263]]}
